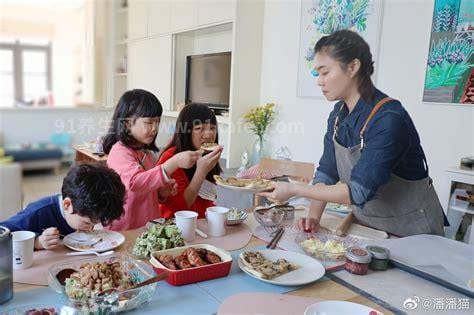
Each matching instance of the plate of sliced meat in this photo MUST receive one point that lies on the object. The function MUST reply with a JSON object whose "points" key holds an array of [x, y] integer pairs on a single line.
{"points": [[281, 267]]}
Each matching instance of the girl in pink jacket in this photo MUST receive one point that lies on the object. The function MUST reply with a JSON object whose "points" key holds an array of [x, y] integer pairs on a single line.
{"points": [[132, 153]]}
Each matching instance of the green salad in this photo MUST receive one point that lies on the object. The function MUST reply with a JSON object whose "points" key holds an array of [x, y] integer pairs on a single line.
{"points": [[158, 237]]}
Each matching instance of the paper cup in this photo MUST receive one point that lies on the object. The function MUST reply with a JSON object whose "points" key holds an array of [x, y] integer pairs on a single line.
{"points": [[23, 247], [216, 217], [186, 221]]}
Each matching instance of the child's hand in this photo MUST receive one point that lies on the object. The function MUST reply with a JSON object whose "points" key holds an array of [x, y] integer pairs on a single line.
{"points": [[207, 162], [186, 159], [48, 240], [170, 188]]}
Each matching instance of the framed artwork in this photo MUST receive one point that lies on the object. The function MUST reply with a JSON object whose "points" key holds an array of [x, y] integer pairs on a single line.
{"points": [[449, 71], [322, 17]]}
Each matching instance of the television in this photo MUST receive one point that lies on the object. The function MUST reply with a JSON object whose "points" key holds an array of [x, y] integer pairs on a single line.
{"points": [[208, 80]]}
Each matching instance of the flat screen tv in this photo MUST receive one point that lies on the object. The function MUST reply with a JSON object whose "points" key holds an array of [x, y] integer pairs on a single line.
{"points": [[208, 80]]}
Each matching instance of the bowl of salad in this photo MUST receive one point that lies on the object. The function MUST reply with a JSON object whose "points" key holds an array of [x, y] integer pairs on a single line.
{"points": [[157, 237]]}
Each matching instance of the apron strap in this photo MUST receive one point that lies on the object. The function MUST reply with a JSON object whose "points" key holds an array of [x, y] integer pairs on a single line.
{"points": [[372, 113]]}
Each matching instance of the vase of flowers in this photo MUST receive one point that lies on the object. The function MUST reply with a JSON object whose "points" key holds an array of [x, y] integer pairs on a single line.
{"points": [[258, 119]]}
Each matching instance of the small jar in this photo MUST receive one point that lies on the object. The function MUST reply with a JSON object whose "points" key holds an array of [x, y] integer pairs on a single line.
{"points": [[357, 260], [380, 257]]}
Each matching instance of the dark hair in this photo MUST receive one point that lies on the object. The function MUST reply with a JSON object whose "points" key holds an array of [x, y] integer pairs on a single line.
{"points": [[95, 191], [345, 46], [133, 104], [190, 116]]}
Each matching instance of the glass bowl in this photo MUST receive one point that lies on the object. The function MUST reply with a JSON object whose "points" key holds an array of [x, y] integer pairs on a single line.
{"points": [[270, 219], [325, 247], [115, 302]]}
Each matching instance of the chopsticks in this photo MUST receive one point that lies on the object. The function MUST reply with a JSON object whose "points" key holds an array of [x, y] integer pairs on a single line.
{"points": [[273, 243]]}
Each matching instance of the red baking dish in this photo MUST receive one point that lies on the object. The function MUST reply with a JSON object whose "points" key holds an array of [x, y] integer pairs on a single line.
{"points": [[195, 274]]}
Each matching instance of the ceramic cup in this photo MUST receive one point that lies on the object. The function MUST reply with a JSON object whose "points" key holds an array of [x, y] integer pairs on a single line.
{"points": [[216, 217], [186, 221], [23, 247]]}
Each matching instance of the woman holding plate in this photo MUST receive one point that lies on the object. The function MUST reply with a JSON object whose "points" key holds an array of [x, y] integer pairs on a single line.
{"points": [[372, 158]]}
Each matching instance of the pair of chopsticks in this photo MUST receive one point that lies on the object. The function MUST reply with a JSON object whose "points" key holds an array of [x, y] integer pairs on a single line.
{"points": [[273, 243]]}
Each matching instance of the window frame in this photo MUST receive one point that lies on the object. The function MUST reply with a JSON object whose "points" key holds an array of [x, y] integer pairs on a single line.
{"points": [[17, 49]]}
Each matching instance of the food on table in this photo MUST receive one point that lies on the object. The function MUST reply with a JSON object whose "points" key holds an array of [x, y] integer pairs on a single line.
{"points": [[262, 267], [234, 214], [158, 237], [168, 262], [331, 248], [271, 216], [256, 183], [42, 311], [194, 258], [189, 258], [209, 146], [93, 278]]}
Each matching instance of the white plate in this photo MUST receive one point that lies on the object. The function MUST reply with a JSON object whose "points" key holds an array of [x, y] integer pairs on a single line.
{"points": [[339, 307], [249, 189], [81, 241], [309, 269]]}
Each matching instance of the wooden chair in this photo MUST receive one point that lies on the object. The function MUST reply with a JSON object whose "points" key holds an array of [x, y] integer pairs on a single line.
{"points": [[302, 170]]}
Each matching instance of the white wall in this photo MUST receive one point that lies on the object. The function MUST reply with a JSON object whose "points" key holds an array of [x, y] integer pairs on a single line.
{"points": [[446, 131], [19, 126]]}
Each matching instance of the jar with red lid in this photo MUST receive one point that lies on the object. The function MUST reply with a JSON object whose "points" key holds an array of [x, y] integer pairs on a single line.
{"points": [[357, 260]]}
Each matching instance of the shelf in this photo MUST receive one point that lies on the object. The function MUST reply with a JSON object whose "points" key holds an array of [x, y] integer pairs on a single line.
{"points": [[121, 42], [121, 74], [469, 209], [121, 10]]}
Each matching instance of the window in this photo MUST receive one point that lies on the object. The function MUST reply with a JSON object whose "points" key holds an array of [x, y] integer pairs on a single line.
{"points": [[25, 73]]}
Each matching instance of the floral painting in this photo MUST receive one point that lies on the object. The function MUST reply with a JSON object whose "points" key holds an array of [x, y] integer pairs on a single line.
{"points": [[449, 71], [322, 17]]}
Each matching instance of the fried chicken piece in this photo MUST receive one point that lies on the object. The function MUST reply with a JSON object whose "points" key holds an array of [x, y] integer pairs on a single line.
{"points": [[182, 262], [167, 261], [212, 257], [194, 258]]}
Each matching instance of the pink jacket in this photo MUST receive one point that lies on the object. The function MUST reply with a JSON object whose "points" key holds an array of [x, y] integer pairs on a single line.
{"points": [[142, 177]]}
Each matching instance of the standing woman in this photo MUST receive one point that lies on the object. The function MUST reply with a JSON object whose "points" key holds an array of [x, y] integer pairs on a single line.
{"points": [[372, 155]]}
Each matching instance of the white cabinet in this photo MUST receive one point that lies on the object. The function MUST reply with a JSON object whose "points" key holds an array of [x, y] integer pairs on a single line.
{"points": [[184, 14], [138, 18], [150, 67], [214, 11], [159, 18]]}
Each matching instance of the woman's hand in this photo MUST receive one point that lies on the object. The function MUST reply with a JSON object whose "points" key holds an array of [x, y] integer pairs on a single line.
{"points": [[49, 239], [308, 225], [280, 192], [207, 162]]}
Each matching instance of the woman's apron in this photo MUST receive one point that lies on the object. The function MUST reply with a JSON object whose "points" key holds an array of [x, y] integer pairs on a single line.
{"points": [[401, 207]]}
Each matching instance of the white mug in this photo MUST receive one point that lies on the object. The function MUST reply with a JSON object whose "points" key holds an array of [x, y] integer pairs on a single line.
{"points": [[216, 217], [186, 221], [23, 247]]}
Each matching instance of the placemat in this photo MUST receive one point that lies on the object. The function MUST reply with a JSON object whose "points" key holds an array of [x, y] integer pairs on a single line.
{"points": [[265, 303], [37, 274], [236, 237]]}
